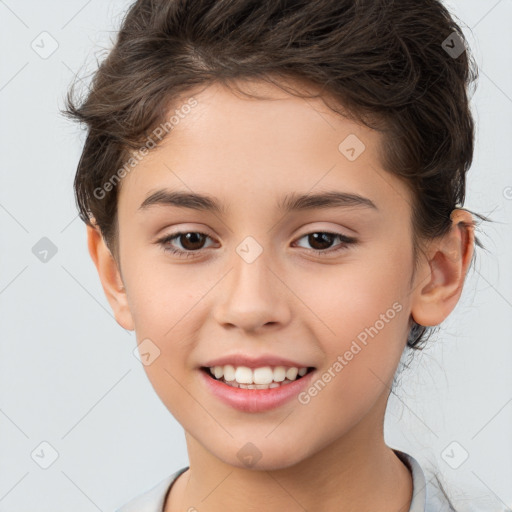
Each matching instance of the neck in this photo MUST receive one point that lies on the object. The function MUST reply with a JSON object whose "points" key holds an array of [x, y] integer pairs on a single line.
{"points": [[357, 472]]}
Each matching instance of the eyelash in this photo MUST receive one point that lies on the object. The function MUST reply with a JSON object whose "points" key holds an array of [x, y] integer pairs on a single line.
{"points": [[345, 243]]}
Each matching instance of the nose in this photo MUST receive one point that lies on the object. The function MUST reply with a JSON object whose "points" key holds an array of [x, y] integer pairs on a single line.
{"points": [[252, 296]]}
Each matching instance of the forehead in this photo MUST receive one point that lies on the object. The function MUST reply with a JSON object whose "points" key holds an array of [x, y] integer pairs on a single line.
{"points": [[270, 125], [230, 144]]}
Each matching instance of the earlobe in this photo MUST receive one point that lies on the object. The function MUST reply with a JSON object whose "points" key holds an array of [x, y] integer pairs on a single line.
{"points": [[440, 279], [110, 277]]}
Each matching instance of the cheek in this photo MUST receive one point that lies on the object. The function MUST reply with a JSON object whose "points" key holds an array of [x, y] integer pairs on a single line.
{"points": [[166, 301], [345, 299], [160, 294], [162, 306], [360, 313], [362, 346]]}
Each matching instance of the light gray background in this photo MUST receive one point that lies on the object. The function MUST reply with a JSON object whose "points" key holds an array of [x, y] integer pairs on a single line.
{"points": [[68, 376]]}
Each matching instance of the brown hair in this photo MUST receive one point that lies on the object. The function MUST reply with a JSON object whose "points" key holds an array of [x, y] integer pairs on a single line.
{"points": [[387, 64]]}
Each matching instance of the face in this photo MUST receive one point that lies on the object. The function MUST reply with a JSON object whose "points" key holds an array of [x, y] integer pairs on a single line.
{"points": [[326, 285]]}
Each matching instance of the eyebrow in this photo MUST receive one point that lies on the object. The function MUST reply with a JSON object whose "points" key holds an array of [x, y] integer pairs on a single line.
{"points": [[290, 203]]}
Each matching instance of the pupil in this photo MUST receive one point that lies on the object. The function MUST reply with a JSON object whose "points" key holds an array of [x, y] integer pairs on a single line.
{"points": [[325, 237], [189, 236]]}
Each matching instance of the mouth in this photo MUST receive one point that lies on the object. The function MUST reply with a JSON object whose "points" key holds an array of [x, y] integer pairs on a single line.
{"points": [[262, 378], [258, 389]]}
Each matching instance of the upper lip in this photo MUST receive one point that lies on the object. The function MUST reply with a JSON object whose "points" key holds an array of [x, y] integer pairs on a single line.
{"points": [[253, 362]]}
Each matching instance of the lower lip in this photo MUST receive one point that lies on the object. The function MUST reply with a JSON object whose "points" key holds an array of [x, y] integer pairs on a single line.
{"points": [[256, 400]]}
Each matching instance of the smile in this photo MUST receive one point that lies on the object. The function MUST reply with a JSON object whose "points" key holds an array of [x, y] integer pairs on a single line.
{"points": [[253, 397]]}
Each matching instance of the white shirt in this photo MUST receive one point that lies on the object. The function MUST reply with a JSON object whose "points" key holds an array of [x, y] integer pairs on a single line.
{"points": [[426, 496]]}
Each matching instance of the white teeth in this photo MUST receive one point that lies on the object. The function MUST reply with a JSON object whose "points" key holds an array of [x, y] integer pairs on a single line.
{"points": [[291, 373], [243, 375], [229, 372], [279, 374], [264, 376], [235, 384]]}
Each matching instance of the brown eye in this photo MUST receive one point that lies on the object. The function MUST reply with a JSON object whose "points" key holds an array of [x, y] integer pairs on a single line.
{"points": [[190, 241], [321, 242]]}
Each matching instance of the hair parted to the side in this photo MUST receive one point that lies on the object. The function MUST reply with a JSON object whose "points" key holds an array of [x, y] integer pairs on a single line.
{"points": [[381, 61]]}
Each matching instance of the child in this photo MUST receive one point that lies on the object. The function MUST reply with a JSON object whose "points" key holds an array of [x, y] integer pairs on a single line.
{"points": [[316, 153]]}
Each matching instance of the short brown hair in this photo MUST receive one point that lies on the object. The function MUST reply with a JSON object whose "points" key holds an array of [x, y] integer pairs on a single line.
{"points": [[386, 63]]}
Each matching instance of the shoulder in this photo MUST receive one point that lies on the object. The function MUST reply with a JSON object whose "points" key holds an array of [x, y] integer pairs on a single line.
{"points": [[429, 494], [153, 499]]}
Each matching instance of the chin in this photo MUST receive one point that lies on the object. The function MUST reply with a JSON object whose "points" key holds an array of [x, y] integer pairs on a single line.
{"points": [[262, 457]]}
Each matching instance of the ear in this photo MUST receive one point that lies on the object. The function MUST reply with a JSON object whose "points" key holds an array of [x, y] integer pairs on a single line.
{"points": [[440, 279], [110, 277]]}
